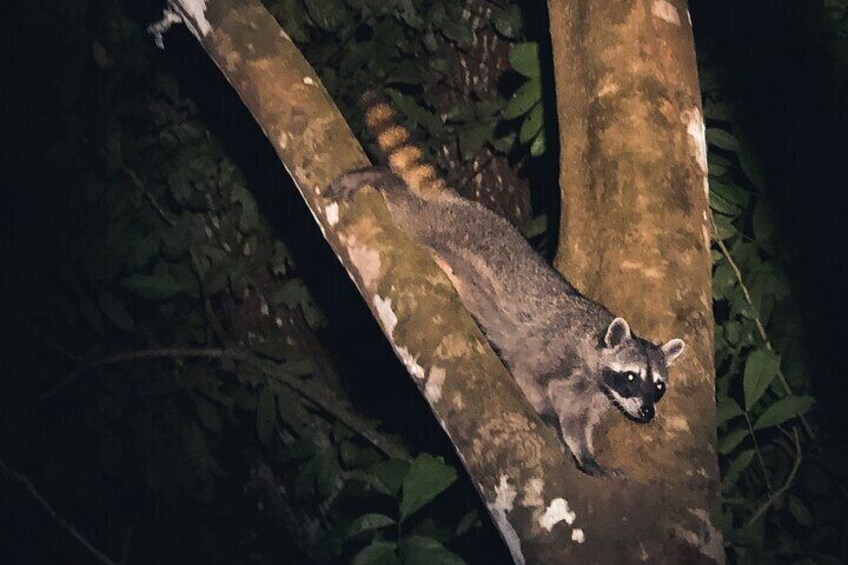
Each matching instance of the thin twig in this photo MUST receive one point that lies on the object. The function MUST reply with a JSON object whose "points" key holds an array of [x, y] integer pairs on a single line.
{"points": [[318, 398], [36, 331], [785, 487], [759, 454], [125, 548], [150, 198], [67, 526], [211, 319], [315, 396], [757, 322], [120, 358]]}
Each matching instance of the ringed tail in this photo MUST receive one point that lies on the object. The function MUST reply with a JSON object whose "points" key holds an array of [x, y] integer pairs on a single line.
{"points": [[404, 159]]}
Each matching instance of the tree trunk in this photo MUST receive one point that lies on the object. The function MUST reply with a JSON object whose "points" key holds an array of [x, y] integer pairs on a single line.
{"points": [[634, 235], [530, 485]]}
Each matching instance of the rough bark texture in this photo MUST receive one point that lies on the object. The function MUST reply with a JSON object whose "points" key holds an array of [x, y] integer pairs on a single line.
{"points": [[518, 464], [634, 236]]}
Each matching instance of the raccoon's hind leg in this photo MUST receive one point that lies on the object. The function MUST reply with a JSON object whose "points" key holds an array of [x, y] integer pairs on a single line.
{"points": [[380, 178]]}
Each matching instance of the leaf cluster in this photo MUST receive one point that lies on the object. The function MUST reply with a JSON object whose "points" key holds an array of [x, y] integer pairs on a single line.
{"points": [[776, 485], [169, 322]]}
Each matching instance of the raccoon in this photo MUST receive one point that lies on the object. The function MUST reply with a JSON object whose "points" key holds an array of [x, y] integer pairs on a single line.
{"points": [[571, 357]]}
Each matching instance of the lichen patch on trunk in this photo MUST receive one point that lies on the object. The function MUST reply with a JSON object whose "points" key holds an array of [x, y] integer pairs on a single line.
{"points": [[665, 10], [504, 497], [556, 512], [435, 380]]}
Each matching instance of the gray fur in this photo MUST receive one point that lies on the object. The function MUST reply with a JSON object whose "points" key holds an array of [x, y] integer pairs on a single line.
{"points": [[569, 354]]}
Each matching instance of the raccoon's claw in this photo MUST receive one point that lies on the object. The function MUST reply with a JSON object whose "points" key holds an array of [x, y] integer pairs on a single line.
{"points": [[614, 473], [591, 467]]}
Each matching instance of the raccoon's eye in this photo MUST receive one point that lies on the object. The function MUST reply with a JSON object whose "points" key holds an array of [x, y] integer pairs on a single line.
{"points": [[631, 377], [660, 386]]}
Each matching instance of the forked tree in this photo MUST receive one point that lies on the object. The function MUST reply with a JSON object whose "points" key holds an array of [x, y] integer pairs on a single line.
{"points": [[633, 235]]}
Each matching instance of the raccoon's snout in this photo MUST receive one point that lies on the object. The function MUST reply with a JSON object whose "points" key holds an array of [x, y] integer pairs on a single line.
{"points": [[647, 412]]}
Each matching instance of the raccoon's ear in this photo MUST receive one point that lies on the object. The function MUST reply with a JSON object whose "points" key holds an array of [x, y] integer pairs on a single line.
{"points": [[618, 331], [672, 350]]}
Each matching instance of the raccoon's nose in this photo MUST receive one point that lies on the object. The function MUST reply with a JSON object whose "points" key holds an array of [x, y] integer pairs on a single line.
{"points": [[646, 412]]}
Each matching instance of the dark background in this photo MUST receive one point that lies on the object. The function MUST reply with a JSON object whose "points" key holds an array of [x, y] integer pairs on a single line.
{"points": [[795, 100]]}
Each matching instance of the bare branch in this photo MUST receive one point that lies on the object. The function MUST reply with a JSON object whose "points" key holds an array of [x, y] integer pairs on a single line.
{"points": [[63, 523]]}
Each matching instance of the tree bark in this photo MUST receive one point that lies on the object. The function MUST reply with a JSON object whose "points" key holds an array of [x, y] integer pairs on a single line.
{"points": [[634, 235], [519, 466]]}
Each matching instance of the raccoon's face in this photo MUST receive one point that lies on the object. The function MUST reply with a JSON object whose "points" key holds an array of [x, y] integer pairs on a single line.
{"points": [[634, 371]]}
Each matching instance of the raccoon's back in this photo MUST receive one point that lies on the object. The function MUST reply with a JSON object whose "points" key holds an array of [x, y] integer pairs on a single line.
{"points": [[513, 293]]}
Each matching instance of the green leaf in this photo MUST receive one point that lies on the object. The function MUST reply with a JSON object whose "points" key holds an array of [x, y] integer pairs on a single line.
{"points": [[727, 409], [722, 205], [410, 15], [732, 440], [736, 334], [421, 550], [472, 139], [266, 415], [377, 553], [292, 413], [532, 124], [717, 164], [730, 191], [407, 106], [535, 227], [538, 146], [505, 143], [784, 409], [717, 109], [367, 523], [101, 57], [760, 370], [524, 58], [159, 286], [390, 474], [508, 21], [327, 472], [142, 252], [326, 14], [208, 414], [735, 469], [724, 280], [91, 314], [763, 222], [427, 477], [748, 160], [528, 95], [470, 520], [458, 31], [115, 311], [722, 139], [724, 227], [799, 511], [297, 451]]}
